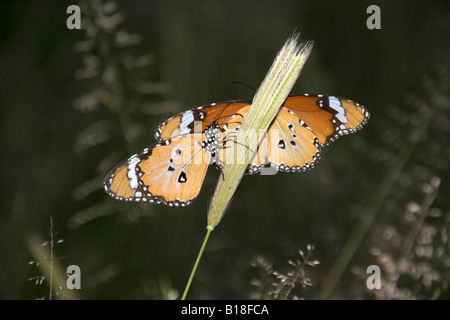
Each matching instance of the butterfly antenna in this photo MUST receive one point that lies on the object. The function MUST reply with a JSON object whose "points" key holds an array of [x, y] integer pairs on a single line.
{"points": [[244, 84], [236, 114], [223, 109]]}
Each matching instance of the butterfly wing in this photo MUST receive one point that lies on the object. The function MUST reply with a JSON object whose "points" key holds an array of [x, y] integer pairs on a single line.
{"points": [[304, 124], [196, 120], [170, 173], [289, 145], [328, 117]]}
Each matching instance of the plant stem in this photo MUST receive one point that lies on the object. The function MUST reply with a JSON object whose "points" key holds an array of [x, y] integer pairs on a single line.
{"points": [[186, 290], [265, 106], [51, 267]]}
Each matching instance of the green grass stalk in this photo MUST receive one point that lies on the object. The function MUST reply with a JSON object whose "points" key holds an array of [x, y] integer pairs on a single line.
{"points": [[194, 269], [265, 106]]}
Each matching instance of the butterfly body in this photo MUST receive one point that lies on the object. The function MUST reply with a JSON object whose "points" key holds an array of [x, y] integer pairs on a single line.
{"points": [[172, 171], [211, 142]]}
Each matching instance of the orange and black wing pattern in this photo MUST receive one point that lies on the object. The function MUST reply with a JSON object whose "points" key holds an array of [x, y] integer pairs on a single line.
{"points": [[328, 117], [304, 124], [172, 171], [196, 120], [289, 145]]}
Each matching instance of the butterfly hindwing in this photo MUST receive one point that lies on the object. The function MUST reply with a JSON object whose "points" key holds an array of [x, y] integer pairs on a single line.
{"points": [[171, 173], [289, 145]]}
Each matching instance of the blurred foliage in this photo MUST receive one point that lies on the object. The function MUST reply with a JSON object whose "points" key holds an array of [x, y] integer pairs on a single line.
{"points": [[75, 102]]}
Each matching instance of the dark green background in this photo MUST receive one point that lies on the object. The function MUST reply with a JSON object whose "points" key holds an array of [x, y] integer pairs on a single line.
{"points": [[129, 250]]}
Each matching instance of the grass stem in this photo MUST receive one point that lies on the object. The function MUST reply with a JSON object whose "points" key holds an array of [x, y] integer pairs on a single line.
{"points": [[194, 269], [265, 106]]}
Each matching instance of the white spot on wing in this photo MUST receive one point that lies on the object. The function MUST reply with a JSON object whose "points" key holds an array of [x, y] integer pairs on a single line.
{"points": [[187, 119], [336, 105], [132, 163], [134, 182], [132, 167]]}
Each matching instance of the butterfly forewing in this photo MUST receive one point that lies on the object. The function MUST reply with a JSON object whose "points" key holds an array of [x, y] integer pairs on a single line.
{"points": [[328, 117], [196, 120]]}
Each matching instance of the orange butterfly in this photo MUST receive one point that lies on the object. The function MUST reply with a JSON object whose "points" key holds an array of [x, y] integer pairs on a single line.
{"points": [[172, 171]]}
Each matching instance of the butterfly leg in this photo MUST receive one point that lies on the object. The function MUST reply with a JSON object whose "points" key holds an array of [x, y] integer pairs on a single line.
{"points": [[233, 139], [219, 166]]}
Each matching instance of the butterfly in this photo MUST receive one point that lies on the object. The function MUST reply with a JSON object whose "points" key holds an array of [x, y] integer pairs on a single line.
{"points": [[172, 171]]}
